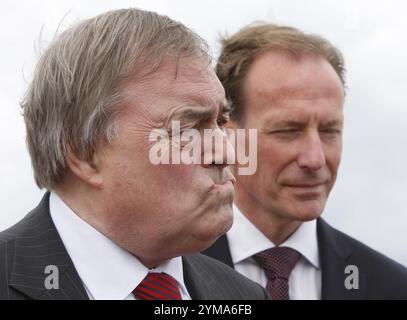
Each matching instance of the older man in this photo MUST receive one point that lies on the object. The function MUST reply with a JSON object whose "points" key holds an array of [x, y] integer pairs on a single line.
{"points": [[290, 87], [114, 225]]}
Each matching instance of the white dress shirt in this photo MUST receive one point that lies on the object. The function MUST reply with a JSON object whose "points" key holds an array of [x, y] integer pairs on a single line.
{"points": [[107, 271], [245, 240]]}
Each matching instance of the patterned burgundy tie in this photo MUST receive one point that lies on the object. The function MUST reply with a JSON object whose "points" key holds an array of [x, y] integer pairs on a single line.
{"points": [[158, 286], [277, 262]]}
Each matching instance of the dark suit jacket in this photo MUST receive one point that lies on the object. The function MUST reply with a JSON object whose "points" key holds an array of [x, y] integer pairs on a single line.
{"points": [[34, 243], [379, 277]]}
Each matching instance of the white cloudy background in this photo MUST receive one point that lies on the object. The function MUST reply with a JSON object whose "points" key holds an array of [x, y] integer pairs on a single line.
{"points": [[369, 201]]}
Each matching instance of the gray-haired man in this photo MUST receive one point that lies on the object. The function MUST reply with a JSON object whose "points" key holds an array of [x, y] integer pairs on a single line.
{"points": [[114, 225]]}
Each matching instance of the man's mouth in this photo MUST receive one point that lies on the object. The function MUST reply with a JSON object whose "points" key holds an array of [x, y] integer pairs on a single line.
{"points": [[225, 186], [223, 177], [231, 180], [305, 185], [307, 188]]}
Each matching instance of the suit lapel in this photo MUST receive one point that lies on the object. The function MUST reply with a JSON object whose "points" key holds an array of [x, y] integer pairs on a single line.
{"points": [[200, 284], [37, 246], [335, 256], [220, 251]]}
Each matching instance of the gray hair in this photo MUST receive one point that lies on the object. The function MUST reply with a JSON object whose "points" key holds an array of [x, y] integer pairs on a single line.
{"points": [[74, 97]]}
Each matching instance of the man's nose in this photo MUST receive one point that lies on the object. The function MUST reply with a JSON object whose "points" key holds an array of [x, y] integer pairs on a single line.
{"points": [[219, 151], [311, 155]]}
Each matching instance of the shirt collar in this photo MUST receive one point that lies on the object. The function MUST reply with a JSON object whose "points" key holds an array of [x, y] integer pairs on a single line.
{"points": [[108, 271], [245, 240]]}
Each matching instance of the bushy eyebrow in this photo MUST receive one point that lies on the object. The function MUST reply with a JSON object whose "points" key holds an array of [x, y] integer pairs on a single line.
{"points": [[333, 123], [199, 112], [192, 113], [300, 124]]}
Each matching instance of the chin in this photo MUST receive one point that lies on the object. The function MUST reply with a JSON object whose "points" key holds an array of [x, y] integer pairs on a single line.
{"points": [[214, 228], [308, 212], [307, 217], [227, 213]]}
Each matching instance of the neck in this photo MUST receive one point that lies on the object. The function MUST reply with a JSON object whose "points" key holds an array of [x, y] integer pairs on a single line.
{"points": [[81, 200], [275, 227]]}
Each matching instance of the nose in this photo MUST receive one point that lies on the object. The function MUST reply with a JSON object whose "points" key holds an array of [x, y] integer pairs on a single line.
{"points": [[311, 155], [217, 149]]}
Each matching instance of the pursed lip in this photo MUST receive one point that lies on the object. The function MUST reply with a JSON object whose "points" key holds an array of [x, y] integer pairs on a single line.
{"points": [[231, 179], [225, 186]]}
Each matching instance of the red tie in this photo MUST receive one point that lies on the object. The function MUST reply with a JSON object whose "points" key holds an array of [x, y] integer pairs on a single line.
{"points": [[278, 262], [158, 286]]}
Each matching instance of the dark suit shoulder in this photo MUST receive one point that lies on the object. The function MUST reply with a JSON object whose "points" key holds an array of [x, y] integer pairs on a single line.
{"points": [[386, 277], [220, 281], [19, 244], [30, 225], [370, 256]]}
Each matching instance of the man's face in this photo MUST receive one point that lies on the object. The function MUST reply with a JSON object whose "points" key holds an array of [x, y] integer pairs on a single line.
{"points": [[161, 211], [297, 106]]}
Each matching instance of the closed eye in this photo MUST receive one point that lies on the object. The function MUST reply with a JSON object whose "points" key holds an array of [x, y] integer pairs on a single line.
{"points": [[331, 130], [284, 131], [285, 134]]}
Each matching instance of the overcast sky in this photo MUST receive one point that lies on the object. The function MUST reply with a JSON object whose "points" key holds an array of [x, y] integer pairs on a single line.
{"points": [[369, 200]]}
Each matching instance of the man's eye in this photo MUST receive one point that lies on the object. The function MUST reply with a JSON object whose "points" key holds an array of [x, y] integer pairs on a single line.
{"points": [[190, 125], [285, 131], [222, 122], [285, 134], [288, 130]]}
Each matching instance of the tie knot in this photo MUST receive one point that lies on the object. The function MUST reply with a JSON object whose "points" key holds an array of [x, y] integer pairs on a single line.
{"points": [[278, 262], [158, 286]]}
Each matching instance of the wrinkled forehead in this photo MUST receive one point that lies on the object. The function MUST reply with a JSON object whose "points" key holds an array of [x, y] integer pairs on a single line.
{"points": [[182, 81]]}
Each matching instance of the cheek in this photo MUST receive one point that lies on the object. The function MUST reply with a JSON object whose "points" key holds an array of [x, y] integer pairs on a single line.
{"points": [[333, 160], [174, 176], [179, 186], [272, 159]]}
